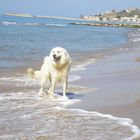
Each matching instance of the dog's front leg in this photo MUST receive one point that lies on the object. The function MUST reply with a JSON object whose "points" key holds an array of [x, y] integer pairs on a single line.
{"points": [[52, 87], [64, 88]]}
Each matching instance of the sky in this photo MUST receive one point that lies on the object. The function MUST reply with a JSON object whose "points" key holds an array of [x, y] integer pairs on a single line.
{"points": [[65, 8]]}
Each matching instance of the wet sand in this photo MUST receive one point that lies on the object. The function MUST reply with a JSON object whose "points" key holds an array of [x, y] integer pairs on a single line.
{"points": [[117, 80]]}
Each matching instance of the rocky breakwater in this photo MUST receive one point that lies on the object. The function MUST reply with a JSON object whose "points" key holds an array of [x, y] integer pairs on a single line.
{"points": [[108, 24]]}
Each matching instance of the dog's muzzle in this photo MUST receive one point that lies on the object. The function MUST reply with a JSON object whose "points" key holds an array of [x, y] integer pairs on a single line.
{"points": [[56, 58]]}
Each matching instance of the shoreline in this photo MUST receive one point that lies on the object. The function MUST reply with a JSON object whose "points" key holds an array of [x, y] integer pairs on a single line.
{"points": [[116, 79]]}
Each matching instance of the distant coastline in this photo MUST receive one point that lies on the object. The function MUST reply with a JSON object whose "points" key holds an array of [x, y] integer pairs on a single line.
{"points": [[126, 18], [128, 15], [129, 18], [18, 14], [38, 16]]}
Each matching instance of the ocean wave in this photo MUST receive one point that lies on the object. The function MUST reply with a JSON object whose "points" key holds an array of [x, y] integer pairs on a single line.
{"points": [[74, 78], [122, 121], [82, 65], [8, 23], [134, 35], [43, 24], [124, 49], [23, 79], [135, 40], [32, 24], [56, 25]]}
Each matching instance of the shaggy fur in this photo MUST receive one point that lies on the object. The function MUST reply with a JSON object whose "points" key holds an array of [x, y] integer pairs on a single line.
{"points": [[55, 68]]}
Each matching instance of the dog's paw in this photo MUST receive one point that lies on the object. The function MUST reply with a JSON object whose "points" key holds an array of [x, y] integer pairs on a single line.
{"points": [[51, 93], [42, 94], [64, 97], [53, 96]]}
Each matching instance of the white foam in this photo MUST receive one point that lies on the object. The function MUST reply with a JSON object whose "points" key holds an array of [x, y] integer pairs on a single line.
{"points": [[26, 116], [19, 80], [78, 68], [57, 25], [8, 23], [19, 95], [7, 137], [135, 36], [83, 65], [66, 101], [123, 121], [124, 49], [32, 24], [136, 39], [74, 78]]}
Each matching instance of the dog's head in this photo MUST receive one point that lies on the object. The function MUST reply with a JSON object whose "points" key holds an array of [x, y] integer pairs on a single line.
{"points": [[59, 56]]}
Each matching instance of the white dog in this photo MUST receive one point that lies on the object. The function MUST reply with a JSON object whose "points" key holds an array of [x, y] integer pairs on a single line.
{"points": [[55, 68]]}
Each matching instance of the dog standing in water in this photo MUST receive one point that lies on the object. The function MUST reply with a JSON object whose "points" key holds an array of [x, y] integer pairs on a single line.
{"points": [[55, 68]]}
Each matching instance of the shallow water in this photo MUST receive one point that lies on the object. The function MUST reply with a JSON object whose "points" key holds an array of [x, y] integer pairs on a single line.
{"points": [[25, 115]]}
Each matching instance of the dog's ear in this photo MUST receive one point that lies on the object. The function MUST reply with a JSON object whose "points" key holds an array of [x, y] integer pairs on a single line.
{"points": [[68, 57], [65, 58]]}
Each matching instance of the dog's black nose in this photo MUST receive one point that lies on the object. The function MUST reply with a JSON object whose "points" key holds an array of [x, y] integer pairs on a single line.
{"points": [[54, 56]]}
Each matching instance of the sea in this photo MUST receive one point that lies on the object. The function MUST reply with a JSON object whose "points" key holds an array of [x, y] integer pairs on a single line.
{"points": [[24, 42]]}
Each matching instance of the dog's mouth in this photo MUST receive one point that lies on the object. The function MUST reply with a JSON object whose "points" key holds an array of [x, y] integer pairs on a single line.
{"points": [[56, 58]]}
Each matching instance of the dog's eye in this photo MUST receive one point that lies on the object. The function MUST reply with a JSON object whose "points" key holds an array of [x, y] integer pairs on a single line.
{"points": [[58, 51]]}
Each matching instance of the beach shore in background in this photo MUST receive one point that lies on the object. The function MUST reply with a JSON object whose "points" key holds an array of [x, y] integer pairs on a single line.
{"points": [[115, 81]]}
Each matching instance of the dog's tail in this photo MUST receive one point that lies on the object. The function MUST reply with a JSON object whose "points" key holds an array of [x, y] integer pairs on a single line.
{"points": [[33, 74]]}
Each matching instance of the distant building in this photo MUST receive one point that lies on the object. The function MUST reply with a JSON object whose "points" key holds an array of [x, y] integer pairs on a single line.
{"points": [[130, 15]]}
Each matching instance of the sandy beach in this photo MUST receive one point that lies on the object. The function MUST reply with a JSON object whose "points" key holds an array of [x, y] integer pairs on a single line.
{"points": [[116, 80]]}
